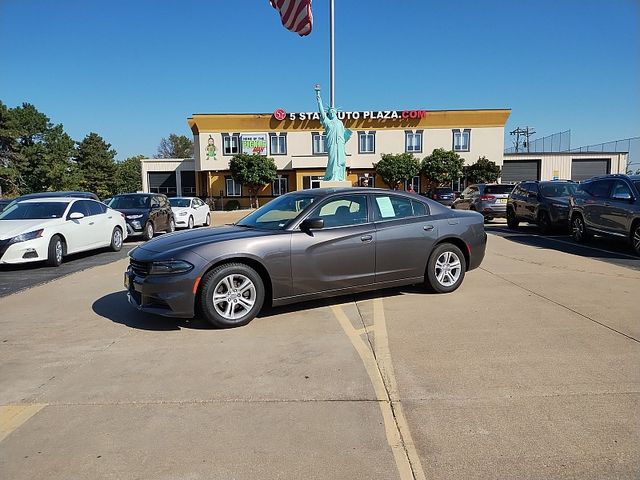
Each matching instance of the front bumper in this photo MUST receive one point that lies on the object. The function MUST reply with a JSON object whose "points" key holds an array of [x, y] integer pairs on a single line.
{"points": [[35, 250], [135, 227], [559, 217], [167, 295]]}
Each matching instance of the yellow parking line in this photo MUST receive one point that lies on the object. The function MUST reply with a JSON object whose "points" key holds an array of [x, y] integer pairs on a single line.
{"points": [[12, 416], [391, 428]]}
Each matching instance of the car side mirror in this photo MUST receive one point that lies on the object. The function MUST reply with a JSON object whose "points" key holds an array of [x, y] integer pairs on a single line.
{"points": [[312, 224], [155, 205], [76, 216], [621, 196]]}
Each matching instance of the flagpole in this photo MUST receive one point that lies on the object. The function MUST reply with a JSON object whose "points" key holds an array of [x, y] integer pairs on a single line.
{"points": [[331, 66]]}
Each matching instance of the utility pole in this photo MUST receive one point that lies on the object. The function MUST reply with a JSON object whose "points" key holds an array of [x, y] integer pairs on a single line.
{"points": [[525, 132]]}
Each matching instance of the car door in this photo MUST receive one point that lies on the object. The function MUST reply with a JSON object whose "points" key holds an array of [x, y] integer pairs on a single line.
{"points": [[618, 209], [102, 225], [530, 205], [594, 205], [405, 234], [201, 211], [79, 233], [339, 256], [157, 214]]}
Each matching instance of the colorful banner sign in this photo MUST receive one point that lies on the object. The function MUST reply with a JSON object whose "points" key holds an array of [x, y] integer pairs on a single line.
{"points": [[254, 143]]}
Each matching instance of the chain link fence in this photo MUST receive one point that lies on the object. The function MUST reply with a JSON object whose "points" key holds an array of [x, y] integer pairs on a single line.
{"points": [[631, 145], [558, 142]]}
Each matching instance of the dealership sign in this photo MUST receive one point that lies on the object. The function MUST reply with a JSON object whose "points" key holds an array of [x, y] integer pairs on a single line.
{"points": [[280, 115], [254, 143]]}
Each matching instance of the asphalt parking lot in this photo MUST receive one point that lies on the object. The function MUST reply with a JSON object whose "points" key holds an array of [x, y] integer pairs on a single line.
{"points": [[529, 370]]}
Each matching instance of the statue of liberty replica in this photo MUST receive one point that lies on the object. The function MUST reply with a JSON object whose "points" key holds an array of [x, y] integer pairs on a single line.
{"points": [[336, 136]]}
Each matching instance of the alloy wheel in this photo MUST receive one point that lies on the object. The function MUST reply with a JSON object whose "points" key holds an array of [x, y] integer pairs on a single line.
{"points": [[117, 239], [636, 239], [577, 229], [234, 296], [448, 268], [59, 251]]}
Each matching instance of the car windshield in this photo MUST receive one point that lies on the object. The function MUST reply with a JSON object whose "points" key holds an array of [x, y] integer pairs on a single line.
{"points": [[277, 213], [180, 202], [125, 202], [34, 210], [498, 189], [558, 189]]}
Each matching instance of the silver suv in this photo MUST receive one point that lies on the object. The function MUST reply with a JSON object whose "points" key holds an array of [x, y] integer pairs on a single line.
{"points": [[608, 205], [489, 199]]}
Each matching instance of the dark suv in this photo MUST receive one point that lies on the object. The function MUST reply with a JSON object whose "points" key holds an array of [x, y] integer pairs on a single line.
{"points": [[543, 203], [146, 213], [608, 205]]}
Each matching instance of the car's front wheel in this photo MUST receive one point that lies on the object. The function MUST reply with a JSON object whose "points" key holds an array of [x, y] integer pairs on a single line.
{"points": [[231, 295], [544, 222], [190, 223], [446, 268], [578, 229], [512, 221], [635, 238], [148, 231], [55, 252], [116, 239], [207, 221], [172, 226]]}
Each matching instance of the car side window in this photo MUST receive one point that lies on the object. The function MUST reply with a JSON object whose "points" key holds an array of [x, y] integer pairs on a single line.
{"points": [[620, 189], [79, 207], [391, 207], [600, 188], [343, 211], [155, 200], [419, 208], [95, 208]]}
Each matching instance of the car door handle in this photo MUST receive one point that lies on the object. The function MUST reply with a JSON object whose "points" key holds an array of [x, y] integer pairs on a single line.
{"points": [[427, 228], [366, 238], [91, 223]]}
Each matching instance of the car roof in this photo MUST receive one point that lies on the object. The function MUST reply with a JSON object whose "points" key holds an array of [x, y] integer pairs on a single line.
{"points": [[182, 198], [138, 194], [52, 200], [76, 194]]}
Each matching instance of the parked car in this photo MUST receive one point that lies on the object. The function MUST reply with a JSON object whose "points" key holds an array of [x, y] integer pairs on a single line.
{"points": [[489, 199], [28, 196], [50, 228], [608, 205], [4, 202], [304, 245], [442, 195], [544, 203], [190, 212], [146, 213]]}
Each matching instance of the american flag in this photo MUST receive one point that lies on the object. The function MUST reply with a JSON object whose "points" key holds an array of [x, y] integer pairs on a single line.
{"points": [[295, 15]]}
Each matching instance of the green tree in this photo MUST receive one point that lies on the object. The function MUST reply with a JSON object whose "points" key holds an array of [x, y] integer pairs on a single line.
{"points": [[96, 161], [175, 146], [442, 166], [53, 166], [129, 175], [483, 171], [394, 169], [254, 171]]}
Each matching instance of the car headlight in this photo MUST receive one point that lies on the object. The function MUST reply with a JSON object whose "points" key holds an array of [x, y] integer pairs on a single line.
{"points": [[182, 214], [170, 266], [133, 217], [23, 237]]}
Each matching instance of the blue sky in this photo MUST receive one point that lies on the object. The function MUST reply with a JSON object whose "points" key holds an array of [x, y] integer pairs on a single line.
{"points": [[134, 70]]}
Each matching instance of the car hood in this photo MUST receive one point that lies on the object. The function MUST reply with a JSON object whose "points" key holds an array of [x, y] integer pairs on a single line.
{"points": [[174, 242], [179, 209], [11, 228], [132, 211], [562, 200]]}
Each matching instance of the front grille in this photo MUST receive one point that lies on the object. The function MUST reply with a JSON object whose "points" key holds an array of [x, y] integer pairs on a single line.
{"points": [[139, 268]]}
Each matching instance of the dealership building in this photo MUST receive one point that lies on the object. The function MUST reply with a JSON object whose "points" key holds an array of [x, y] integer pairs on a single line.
{"points": [[296, 143]]}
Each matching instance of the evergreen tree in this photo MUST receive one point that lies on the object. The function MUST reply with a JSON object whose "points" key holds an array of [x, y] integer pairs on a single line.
{"points": [[129, 175], [96, 161]]}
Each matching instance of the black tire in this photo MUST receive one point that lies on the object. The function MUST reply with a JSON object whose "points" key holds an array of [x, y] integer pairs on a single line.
{"points": [[544, 222], [116, 240], [172, 226], [578, 229], [148, 231], [190, 222], [436, 266], [512, 221], [487, 219], [55, 252], [207, 221], [220, 314], [635, 237]]}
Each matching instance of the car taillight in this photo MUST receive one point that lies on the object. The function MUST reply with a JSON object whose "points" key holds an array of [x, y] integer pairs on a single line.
{"points": [[436, 196], [487, 197]]}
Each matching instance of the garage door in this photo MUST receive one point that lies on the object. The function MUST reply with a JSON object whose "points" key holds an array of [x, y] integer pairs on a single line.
{"points": [[584, 169], [163, 182], [518, 170]]}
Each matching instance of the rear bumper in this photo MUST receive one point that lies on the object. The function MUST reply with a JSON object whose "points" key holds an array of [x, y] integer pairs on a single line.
{"points": [[495, 210]]}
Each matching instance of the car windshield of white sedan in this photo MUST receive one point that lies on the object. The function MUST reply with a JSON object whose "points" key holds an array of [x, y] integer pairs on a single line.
{"points": [[277, 213], [34, 211], [180, 202]]}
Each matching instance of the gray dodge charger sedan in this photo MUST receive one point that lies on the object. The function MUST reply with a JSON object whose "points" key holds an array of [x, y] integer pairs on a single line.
{"points": [[305, 245]]}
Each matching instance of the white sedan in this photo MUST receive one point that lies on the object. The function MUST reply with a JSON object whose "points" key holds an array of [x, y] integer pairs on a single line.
{"points": [[190, 212], [50, 228]]}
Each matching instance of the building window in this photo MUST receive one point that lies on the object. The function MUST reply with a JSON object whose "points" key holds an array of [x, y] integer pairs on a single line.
{"points": [[311, 181], [366, 142], [230, 143], [366, 180], [461, 140], [234, 189], [412, 184], [280, 185], [278, 143], [319, 147], [413, 141]]}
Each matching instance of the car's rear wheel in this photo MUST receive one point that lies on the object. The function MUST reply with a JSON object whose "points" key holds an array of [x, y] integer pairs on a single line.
{"points": [[148, 231], [445, 268], [172, 226], [55, 252], [578, 229], [207, 221], [190, 223], [635, 238], [116, 239], [512, 221], [544, 222], [231, 295]]}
